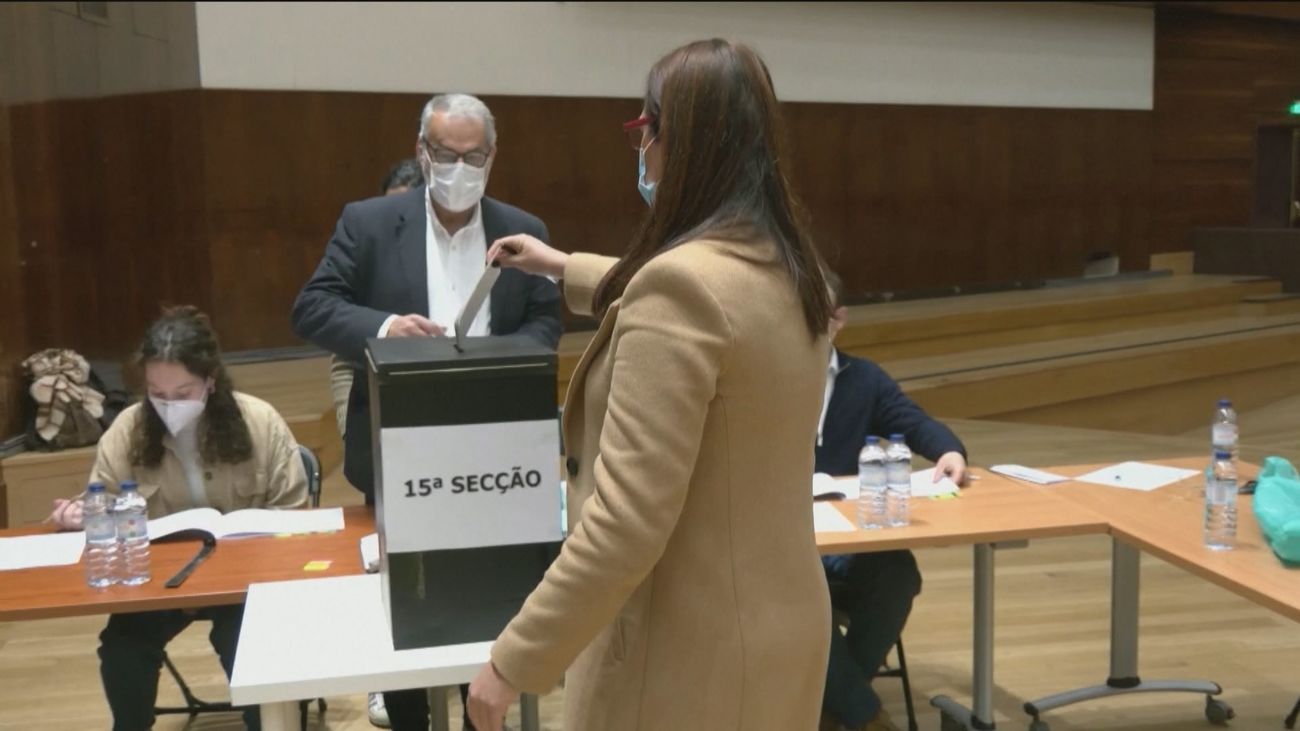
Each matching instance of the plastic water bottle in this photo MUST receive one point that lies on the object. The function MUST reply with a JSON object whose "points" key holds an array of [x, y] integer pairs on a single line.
{"points": [[1223, 429], [872, 486], [1221, 503], [898, 470], [132, 535], [101, 537]]}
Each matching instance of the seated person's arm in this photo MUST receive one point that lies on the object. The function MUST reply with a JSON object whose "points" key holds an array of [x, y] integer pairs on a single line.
{"points": [[112, 465], [286, 478], [896, 413]]}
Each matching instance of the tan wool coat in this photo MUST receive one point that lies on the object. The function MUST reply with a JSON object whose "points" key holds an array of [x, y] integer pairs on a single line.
{"points": [[689, 594]]}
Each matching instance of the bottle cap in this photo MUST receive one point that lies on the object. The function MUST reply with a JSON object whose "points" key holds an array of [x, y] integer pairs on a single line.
{"points": [[1222, 455], [895, 437], [127, 486], [873, 439], [95, 487], [1225, 403]]}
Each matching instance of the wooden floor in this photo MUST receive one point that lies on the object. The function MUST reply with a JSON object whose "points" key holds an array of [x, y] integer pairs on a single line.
{"points": [[1052, 622]]}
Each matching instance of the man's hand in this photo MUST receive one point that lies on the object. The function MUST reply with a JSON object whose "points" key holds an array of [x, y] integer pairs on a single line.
{"points": [[951, 465], [67, 514], [413, 326], [490, 696]]}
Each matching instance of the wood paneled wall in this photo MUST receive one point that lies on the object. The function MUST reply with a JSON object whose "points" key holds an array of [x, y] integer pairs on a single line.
{"points": [[13, 328], [993, 194], [225, 198], [1216, 78]]}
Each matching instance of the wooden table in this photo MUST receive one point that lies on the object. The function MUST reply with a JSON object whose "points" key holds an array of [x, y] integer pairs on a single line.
{"points": [[61, 591], [1168, 523], [996, 512]]}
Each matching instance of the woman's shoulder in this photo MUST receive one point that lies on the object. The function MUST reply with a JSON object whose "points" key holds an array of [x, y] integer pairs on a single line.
{"points": [[256, 411], [125, 421]]}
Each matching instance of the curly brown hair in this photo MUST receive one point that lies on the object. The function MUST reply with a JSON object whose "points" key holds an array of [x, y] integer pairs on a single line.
{"points": [[184, 335]]}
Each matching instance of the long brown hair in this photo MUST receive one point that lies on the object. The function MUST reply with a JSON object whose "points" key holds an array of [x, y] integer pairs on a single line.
{"points": [[183, 335], [712, 108]]}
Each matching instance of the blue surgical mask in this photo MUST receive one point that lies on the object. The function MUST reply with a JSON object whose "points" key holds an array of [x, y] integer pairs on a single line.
{"points": [[647, 190]]}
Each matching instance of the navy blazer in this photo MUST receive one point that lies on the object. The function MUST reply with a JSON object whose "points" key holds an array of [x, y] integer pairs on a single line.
{"points": [[867, 401], [376, 265]]}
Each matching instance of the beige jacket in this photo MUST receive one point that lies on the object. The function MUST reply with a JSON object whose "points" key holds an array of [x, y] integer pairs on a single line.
{"points": [[273, 478], [689, 594]]}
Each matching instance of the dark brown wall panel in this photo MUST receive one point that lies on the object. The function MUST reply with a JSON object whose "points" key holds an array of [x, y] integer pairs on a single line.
{"points": [[225, 199], [13, 327], [1216, 78], [109, 196]]}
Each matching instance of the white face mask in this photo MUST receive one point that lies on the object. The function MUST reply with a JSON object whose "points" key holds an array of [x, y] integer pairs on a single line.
{"points": [[456, 186], [178, 415]]}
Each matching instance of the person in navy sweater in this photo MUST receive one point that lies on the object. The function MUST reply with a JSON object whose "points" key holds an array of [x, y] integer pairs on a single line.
{"points": [[875, 590]]}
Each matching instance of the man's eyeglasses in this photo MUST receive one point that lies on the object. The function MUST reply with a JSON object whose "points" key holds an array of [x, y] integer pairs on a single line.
{"points": [[473, 158], [635, 130]]}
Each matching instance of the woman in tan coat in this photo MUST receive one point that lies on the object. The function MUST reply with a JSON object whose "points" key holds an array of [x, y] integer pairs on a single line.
{"points": [[689, 594]]}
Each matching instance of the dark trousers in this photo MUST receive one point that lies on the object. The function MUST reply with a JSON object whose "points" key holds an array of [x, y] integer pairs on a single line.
{"points": [[408, 710], [131, 656], [875, 590]]}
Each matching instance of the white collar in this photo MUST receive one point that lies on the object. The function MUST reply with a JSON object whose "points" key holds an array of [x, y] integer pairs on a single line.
{"points": [[475, 221]]}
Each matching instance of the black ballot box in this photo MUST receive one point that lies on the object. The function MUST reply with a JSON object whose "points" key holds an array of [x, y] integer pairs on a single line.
{"points": [[467, 482]]}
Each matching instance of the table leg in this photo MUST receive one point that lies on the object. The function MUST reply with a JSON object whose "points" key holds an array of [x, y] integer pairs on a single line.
{"points": [[280, 716], [439, 710], [1125, 592], [530, 718], [979, 718]]}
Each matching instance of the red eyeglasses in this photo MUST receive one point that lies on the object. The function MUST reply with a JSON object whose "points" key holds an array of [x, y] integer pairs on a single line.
{"points": [[635, 130]]}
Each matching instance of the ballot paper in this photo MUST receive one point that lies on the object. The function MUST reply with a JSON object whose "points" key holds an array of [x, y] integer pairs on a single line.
{"points": [[475, 302], [1137, 476], [370, 553], [45, 549], [247, 522], [828, 519], [825, 487], [1020, 472]]}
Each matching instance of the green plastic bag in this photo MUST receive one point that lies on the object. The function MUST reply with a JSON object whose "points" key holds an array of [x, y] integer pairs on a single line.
{"points": [[1277, 508]]}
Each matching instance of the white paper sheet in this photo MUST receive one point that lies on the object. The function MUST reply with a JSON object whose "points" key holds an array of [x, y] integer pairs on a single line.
{"points": [[248, 522], [1137, 476], [827, 519], [46, 549], [923, 485], [824, 484], [1020, 472]]}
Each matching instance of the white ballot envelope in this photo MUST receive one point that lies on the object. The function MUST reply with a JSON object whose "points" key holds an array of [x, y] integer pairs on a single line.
{"points": [[475, 303]]}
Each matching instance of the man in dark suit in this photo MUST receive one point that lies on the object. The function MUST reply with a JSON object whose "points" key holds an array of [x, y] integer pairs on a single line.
{"points": [[875, 590], [403, 266]]}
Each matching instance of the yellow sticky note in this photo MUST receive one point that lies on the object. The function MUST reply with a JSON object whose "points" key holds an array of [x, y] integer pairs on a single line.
{"points": [[317, 565]]}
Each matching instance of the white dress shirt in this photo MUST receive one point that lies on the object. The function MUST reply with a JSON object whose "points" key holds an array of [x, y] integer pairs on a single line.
{"points": [[455, 263], [832, 370]]}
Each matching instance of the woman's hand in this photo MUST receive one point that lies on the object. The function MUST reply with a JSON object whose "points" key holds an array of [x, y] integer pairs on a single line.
{"points": [[490, 696], [67, 514], [527, 254]]}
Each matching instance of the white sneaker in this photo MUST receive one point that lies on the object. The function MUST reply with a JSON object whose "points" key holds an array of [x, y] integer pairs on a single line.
{"points": [[378, 713]]}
